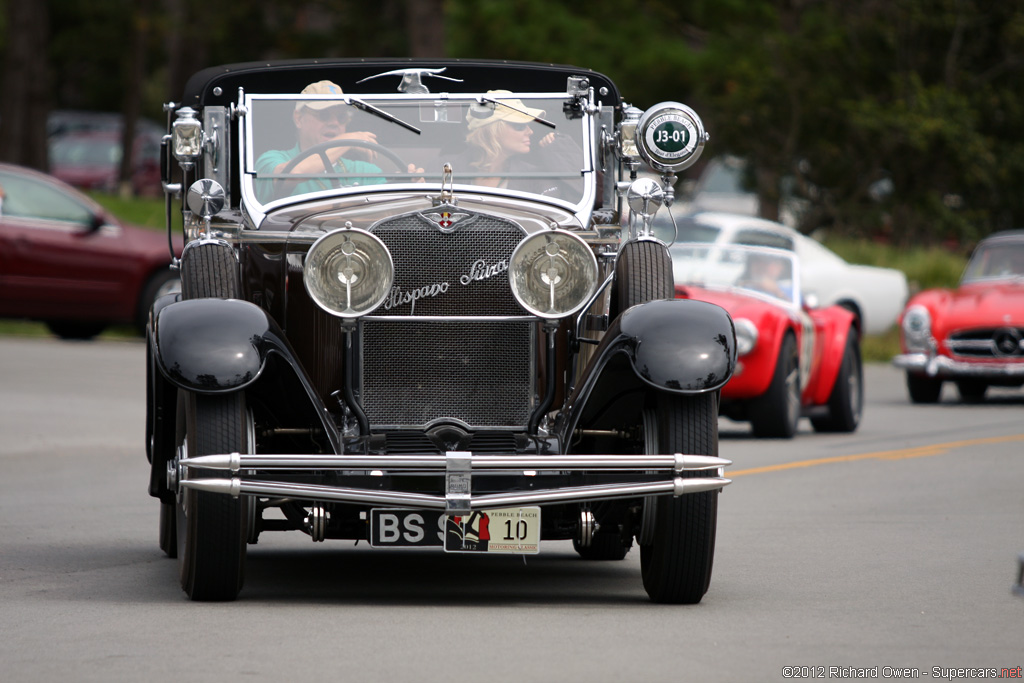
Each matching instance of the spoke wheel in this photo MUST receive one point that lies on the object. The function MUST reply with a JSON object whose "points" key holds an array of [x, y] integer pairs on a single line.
{"points": [[676, 563], [846, 402], [212, 527], [776, 414]]}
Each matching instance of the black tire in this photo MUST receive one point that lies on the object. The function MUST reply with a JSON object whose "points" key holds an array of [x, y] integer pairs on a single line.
{"points": [[971, 390], [776, 414], [76, 330], [643, 273], [209, 270], [212, 527], [604, 547], [676, 564], [923, 389], [846, 402]]}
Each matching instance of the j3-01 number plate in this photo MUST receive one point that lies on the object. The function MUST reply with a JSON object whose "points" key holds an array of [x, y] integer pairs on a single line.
{"points": [[505, 530]]}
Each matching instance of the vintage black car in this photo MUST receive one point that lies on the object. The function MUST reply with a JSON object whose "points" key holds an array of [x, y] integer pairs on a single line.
{"points": [[422, 305]]}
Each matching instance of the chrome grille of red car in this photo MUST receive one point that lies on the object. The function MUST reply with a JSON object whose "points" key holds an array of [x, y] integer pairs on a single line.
{"points": [[1002, 342], [480, 373]]}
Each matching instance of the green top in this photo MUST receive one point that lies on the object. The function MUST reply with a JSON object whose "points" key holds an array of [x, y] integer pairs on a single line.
{"points": [[271, 159]]}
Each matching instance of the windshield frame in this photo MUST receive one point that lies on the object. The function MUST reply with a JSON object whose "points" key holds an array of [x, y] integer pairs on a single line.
{"points": [[585, 136]]}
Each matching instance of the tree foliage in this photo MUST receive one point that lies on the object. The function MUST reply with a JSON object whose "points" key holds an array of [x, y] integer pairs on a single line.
{"points": [[895, 118]]}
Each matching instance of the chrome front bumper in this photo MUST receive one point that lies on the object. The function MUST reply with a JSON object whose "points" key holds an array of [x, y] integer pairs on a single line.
{"points": [[945, 367], [458, 469]]}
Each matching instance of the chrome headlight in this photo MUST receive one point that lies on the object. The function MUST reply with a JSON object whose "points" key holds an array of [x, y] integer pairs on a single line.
{"points": [[917, 328], [746, 336], [553, 274], [348, 272]]}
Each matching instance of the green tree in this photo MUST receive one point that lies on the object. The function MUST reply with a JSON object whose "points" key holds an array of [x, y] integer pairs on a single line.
{"points": [[919, 94]]}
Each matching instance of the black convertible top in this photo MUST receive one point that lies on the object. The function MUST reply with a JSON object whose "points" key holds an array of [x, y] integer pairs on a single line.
{"points": [[219, 85]]}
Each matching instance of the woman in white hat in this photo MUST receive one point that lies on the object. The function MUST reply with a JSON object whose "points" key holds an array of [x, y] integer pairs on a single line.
{"points": [[500, 134]]}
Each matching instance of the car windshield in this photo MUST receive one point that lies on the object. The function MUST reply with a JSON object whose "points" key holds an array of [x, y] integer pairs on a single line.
{"points": [[310, 146], [996, 261], [85, 151], [764, 273]]}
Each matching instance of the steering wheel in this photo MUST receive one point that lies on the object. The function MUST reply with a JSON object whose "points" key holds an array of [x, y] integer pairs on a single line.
{"points": [[321, 151]]}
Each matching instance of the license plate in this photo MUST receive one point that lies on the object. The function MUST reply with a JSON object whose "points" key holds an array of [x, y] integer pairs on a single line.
{"points": [[504, 530]]}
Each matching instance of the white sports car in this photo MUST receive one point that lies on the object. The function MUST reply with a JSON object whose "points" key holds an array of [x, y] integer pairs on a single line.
{"points": [[875, 295]]}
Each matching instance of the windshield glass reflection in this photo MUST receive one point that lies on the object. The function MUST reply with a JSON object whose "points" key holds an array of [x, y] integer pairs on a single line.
{"points": [[308, 146]]}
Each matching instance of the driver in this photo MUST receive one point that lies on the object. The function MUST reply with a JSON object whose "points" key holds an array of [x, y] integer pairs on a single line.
{"points": [[317, 122]]}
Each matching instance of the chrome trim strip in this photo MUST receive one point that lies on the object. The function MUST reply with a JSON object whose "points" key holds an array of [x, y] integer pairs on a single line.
{"points": [[451, 318], [236, 487], [941, 366], [677, 462]]}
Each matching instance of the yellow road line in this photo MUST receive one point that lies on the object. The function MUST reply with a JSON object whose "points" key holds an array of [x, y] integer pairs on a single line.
{"points": [[914, 452]]}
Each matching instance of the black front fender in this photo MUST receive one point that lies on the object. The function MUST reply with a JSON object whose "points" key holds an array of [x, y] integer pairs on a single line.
{"points": [[683, 346], [214, 345], [677, 345]]}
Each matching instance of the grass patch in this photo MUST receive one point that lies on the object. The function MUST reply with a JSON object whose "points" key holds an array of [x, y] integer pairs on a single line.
{"points": [[141, 211], [880, 348]]}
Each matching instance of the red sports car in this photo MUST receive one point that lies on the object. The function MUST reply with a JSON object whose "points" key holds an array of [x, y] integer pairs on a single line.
{"points": [[66, 261], [972, 335], [794, 360]]}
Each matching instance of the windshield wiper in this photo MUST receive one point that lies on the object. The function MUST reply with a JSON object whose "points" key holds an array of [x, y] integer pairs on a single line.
{"points": [[517, 109], [377, 111]]}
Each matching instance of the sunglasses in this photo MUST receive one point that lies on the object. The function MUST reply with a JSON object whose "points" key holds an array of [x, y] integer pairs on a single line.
{"points": [[517, 126], [327, 115]]}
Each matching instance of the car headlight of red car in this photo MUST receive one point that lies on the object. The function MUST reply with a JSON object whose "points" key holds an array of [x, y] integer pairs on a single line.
{"points": [[348, 272], [746, 336], [917, 329], [553, 274]]}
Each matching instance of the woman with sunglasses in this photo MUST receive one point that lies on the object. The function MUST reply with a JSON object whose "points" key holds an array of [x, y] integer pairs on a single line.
{"points": [[500, 142]]}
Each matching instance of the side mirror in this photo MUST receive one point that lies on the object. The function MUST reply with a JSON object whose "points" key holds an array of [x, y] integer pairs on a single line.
{"points": [[96, 221]]}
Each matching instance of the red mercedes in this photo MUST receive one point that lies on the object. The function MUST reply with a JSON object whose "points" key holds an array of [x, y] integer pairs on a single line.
{"points": [[972, 335]]}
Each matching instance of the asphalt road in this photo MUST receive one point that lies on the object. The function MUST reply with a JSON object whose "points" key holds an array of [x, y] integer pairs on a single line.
{"points": [[892, 547]]}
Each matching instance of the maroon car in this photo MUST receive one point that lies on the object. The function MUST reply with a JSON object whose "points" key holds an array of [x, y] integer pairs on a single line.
{"points": [[70, 263]]}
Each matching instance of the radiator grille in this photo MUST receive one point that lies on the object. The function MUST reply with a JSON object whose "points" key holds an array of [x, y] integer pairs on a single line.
{"points": [[1002, 342], [449, 269], [477, 372]]}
